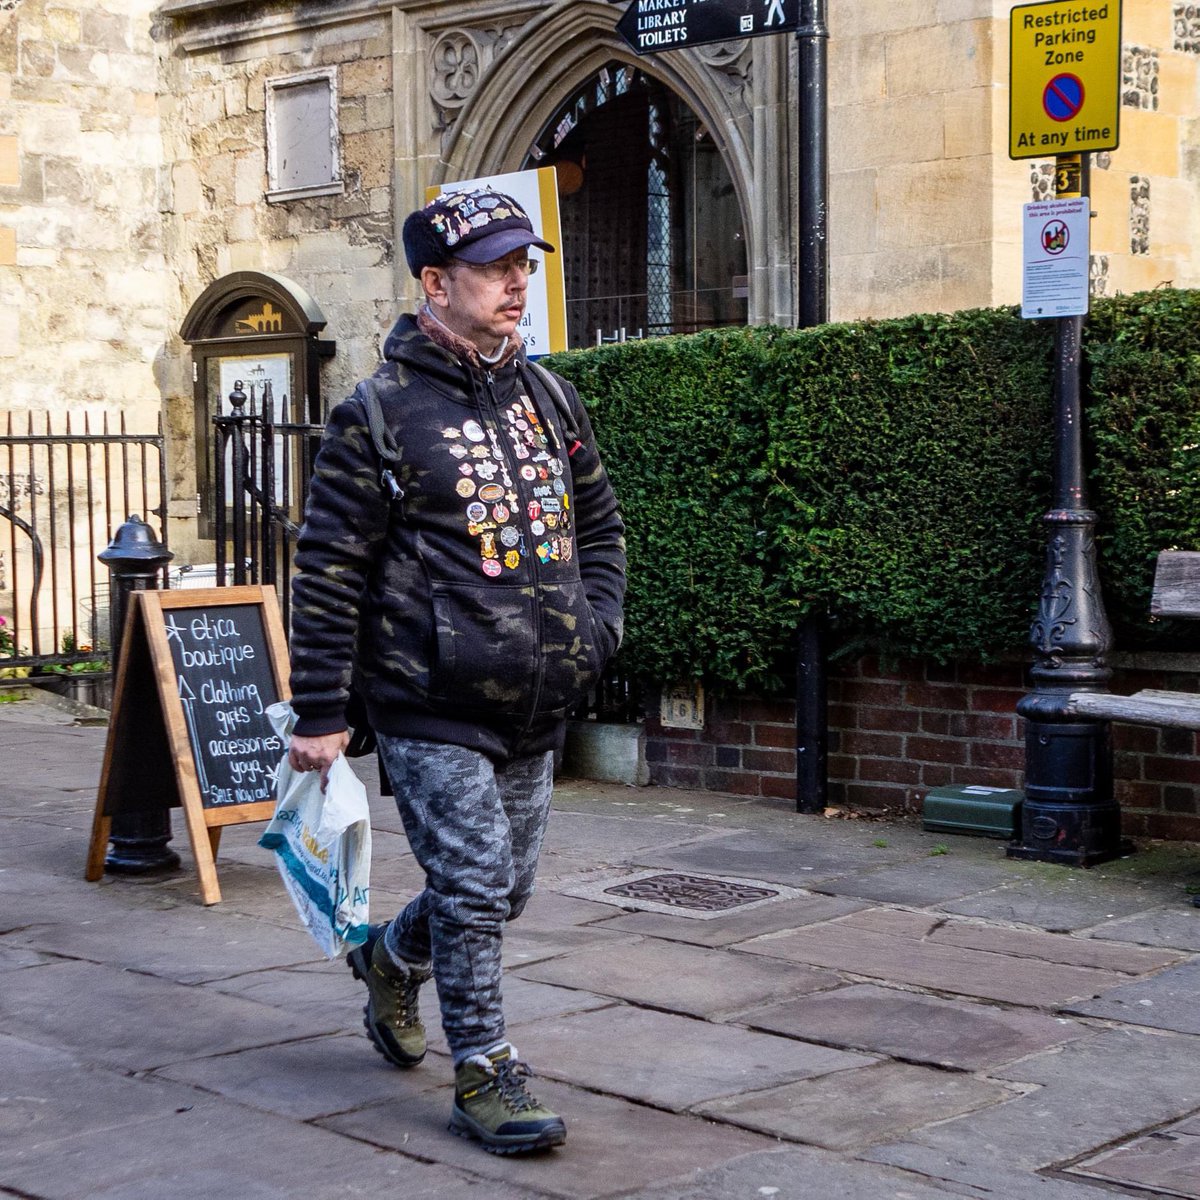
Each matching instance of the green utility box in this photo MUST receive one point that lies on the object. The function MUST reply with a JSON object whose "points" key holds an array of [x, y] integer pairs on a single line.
{"points": [[985, 811]]}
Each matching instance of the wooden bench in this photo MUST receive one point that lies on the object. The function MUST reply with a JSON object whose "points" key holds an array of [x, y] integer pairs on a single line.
{"points": [[1176, 594]]}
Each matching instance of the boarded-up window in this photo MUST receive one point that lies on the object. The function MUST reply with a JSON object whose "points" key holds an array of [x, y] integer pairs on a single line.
{"points": [[302, 136]]}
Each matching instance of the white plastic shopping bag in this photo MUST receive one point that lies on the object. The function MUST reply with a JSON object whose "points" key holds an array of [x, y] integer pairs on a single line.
{"points": [[322, 845]]}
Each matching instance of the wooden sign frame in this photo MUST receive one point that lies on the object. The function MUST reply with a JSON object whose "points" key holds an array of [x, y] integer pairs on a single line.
{"points": [[149, 758]]}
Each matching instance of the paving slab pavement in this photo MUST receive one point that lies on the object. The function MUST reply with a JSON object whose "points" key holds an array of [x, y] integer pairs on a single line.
{"points": [[1089, 1094], [1167, 1158], [1168, 1000], [897, 945], [894, 1023], [876, 1104], [682, 979], [915, 1028]]}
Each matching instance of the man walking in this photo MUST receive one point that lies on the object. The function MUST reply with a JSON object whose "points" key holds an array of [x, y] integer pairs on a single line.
{"points": [[470, 580]]}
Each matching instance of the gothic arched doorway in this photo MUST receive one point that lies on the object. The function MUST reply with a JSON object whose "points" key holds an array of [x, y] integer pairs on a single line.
{"points": [[653, 241]]}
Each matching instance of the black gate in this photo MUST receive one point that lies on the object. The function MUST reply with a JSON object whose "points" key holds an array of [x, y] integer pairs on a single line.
{"points": [[63, 494], [261, 473]]}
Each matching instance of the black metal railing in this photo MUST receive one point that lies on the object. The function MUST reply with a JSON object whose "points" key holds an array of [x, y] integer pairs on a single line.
{"points": [[63, 493], [616, 699]]}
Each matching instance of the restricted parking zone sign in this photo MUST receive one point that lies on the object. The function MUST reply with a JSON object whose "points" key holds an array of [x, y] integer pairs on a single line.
{"points": [[1064, 78]]}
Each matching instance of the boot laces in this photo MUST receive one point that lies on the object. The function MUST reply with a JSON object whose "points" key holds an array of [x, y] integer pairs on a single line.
{"points": [[407, 1006], [509, 1082], [405, 993]]}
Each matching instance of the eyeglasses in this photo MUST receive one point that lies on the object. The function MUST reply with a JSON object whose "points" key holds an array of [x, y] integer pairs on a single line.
{"points": [[494, 272]]}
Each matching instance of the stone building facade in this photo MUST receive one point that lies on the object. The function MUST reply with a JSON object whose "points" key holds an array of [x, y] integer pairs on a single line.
{"points": [[135, 165], [86, 300], [148, 149]]}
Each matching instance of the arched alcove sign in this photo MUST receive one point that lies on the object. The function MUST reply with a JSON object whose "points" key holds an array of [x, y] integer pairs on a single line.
{"points": [[257, 334]]}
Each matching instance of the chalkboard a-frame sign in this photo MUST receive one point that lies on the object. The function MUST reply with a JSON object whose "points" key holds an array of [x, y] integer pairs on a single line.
{"points": [[198, 670]]}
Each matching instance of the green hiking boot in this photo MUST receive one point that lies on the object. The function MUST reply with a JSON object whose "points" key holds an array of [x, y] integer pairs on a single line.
{"points": [[492, 1105], [392, 1017]]}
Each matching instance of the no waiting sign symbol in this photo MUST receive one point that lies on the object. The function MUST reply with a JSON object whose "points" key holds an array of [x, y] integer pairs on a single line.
{"points": [[1063, 97]]}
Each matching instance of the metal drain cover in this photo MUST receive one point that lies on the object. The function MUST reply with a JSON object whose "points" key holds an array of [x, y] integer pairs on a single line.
{"points": [[691, 891], [700, 897]]}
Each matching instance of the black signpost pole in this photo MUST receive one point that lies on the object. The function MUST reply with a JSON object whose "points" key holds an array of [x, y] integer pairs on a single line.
{"points": [[812, 301], [657, 26], [812, 308]]}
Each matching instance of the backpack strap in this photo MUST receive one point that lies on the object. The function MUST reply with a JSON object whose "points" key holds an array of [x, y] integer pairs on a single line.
{"points": [[362, 737], [385, 444], [389, 451], [565, 415]]}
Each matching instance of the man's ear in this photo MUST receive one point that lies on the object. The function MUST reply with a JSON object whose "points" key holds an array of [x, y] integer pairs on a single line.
{"points": [[433, 281]]}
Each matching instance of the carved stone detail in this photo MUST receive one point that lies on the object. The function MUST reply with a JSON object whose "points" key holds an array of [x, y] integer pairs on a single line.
{"points": [[722, 55], [731, 65], [455, 69], [501, 39], [458, 61], [16, 489]]}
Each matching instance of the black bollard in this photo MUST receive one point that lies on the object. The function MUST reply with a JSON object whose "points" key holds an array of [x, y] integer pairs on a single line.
{"points": [[135, 559]]}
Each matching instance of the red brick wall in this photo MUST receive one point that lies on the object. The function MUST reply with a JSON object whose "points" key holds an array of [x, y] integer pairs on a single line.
{"points": [[897, 730]]}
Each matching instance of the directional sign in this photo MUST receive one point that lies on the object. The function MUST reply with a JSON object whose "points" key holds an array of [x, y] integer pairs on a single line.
{"points": [[651, 26], [1065, 75]]}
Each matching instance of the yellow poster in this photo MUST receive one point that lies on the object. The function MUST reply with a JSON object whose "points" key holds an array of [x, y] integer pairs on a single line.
{"points": [[544, 325]]}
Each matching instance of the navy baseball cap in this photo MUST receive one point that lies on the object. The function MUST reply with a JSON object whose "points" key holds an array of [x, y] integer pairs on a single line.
{"points": [[478, 227]]}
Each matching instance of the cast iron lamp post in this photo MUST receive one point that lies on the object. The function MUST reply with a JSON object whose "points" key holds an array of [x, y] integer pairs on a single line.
{"points": [[1069, 814]]}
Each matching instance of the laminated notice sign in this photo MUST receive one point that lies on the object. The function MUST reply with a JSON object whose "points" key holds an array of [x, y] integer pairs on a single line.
{"points": [[1056, 254]]}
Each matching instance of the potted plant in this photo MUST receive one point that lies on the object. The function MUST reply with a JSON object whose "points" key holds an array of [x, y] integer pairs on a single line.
{"points": [[8, 649], [89, 681]]}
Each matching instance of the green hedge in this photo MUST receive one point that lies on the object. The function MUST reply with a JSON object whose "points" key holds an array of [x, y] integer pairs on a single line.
{"points": [[892, 472]]}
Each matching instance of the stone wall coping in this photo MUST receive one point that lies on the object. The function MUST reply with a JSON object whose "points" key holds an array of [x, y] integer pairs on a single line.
{"points": [[238, 29]]}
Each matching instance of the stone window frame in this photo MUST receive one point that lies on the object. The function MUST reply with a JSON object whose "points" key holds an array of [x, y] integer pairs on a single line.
{"points": [[336, 185]]}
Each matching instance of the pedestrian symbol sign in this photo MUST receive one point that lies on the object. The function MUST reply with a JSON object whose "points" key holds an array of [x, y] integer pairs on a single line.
{"points": [[1064, 78]]}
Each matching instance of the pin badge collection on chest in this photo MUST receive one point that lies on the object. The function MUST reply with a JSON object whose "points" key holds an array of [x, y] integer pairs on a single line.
{"points": [[495, 501]]}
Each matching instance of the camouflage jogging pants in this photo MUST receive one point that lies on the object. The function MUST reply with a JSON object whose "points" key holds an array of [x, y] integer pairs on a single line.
{"points": [[476, 830]]}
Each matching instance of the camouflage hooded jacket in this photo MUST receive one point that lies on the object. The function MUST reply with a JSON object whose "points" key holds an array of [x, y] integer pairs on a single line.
{"points": [[479, 604]]}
